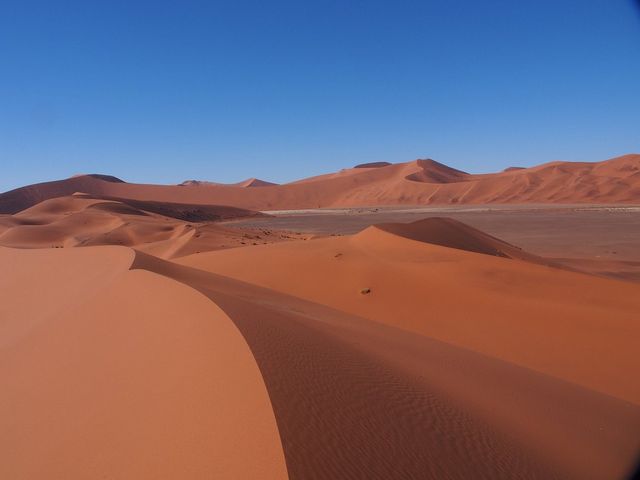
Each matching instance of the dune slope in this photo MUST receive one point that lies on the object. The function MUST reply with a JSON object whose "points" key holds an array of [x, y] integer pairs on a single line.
{"points": [[143, 378], [163, 229], [425, 350], [451, 233], [553, 321], [355, 398], [419, 182]]}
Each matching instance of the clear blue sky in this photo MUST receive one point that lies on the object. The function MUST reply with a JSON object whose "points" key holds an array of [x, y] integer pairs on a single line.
{"points": [[164, 91]]}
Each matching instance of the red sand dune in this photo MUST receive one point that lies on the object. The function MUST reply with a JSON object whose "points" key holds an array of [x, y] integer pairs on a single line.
{"points": [[255, 182], [356, 398], [163, 229], [249, 182], [513, 169], [451, 233], [112, 373], [419, 182], [549, 320], [424, 350], [351, 398], [373, 165]]}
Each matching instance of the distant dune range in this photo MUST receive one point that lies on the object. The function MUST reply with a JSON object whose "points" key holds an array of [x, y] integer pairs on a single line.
{"points": [[421, 182], [250, 182]]}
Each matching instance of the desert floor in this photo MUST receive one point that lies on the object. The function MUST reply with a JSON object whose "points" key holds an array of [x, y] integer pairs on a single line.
{"points": [[602, 239]]}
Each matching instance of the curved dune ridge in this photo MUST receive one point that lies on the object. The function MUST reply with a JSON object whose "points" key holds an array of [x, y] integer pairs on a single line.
{"points": [[480, 302], [373, 165], [106, 178], [421, 182], [355, 398], [249, 182], [451, 233], [426, 350], [435, 172], [164, 229], [138, 377], [255, 182]]}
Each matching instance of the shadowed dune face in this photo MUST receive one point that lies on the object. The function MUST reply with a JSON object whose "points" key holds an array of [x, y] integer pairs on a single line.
{"points": [[421, 182], [373, 165], [354, 397], [186, 212], [180, 211], [451, 233], [435, 172]]}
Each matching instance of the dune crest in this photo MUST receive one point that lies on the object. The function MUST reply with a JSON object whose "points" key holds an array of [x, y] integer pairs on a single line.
{"points": [[373, 165], [106, 178], [436, 172], [255, 182], [138, 380], [249, 182], [451, 233], [351, 378], [421, 182]]}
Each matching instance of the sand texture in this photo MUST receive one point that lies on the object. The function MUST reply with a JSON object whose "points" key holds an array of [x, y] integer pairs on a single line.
{"points": [[420, 182], [151, 332]]}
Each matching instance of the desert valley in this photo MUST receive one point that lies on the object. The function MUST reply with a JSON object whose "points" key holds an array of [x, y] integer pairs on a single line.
{"points": [[387, 321]]}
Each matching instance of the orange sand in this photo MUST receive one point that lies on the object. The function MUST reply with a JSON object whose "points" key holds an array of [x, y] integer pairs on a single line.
{"points": [[127, 375], [426, 350], [420, 182], [163, 229]]}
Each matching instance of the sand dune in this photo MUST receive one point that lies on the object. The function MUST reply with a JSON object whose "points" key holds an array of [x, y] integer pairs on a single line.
{"points": [[249, 182], [424, 350], [420, 182], [549, 320], [163, 229], [182, 211], [133, 379], [430, 171], [451, 233], [255, 182], [347, 394]]}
